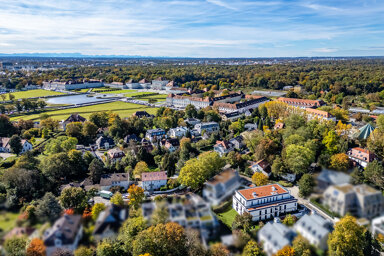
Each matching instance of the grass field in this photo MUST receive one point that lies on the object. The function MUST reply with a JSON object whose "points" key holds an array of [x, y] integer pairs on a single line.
{"points": [[228, 216], [119, 91], [33, 94], [121, 108], [135, 93], [7, 220], [159, 98]]}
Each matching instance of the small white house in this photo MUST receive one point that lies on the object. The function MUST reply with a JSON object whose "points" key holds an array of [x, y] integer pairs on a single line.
{"points": [[6, 148], [274, 236], [153, 180], [178, 132]]}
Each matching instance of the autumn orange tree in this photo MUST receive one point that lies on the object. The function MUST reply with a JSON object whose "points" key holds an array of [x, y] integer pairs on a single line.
{"points": [[259, 179], [136, 195], [340, 162], [286, 251], [36, 248]]}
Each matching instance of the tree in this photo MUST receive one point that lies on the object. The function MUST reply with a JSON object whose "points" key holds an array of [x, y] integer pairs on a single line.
{"points": [[197, 171], [301, 246], [84, 251], [100, 119], [162, 239], [89, 129], [36, 248], [347, 238], [15, 246], [286, 251], [140, 168], [136, 195], [252, 249], [340, 162], [306, 185], [357, 176], [259, 179], [74, 129], [109, 248], [49, 124], [73, 198], [242, 221], [160, 214], [374, 173], [6, 127], [289, 220], [278, 167], [95, 169], [276, 109], [218, 249], [15, 144], [117, 199], [298, 158], [97, 208], [330, 142], [56, 167], [130, 229], [48, 208], [190, 111]]}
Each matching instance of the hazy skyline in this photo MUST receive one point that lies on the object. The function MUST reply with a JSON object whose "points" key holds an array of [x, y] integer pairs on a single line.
{"points": [[205, 28]]}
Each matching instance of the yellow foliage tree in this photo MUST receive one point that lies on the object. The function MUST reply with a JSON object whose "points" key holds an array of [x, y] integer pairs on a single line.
{"points": [[36, 248], [340, 162], [276, 109], [136, 195], [259, 179], [140, 168], [286, 251]]}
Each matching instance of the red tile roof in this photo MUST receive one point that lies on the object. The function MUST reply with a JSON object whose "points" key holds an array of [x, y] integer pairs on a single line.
{"points": [[151, 176], [262, 191]]}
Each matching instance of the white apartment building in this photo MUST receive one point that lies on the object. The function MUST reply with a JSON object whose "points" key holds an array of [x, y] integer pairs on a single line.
{"points": [[264, 202]]}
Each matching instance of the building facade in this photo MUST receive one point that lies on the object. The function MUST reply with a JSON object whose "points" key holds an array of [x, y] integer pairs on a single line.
{"points": [[361, 156], [264, 202]]}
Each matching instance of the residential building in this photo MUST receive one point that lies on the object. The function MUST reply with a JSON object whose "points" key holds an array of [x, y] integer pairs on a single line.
{"points": [[278, 126], [240, 107], [189, 211], [221, 186], [207, 127], [274, 236], [105, 142], [223, 147], [261, 166], [72, 119], [232, 116], [328, 178], [64, 234], [131, 137], [238, 142], [155, 134], [114, 180], [115, 154], [319, 114], [108, 222], [6, 147], [153, 180], [361, 201], [250, 127], [192, 121], [20, 232], [315, 229], [178, 132], [302, 103], [361, 156], [378, 226], [172, 144], [264, 202]]}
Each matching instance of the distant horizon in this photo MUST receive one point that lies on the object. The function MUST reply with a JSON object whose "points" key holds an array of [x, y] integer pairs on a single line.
{"points": [[80, 55], [194, 28]]}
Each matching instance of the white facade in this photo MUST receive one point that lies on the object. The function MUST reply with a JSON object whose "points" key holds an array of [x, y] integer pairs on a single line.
{"points": [[264, 202], [378, 226], [153, 184], [208, 127], [275, 236], [178, 132]]}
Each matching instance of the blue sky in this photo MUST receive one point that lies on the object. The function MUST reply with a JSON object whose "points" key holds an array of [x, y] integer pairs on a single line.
{"points": [[201, 28]]}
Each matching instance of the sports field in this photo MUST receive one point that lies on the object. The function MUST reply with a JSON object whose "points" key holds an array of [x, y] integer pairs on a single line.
{"points": [[122, 108], [32, 94]]}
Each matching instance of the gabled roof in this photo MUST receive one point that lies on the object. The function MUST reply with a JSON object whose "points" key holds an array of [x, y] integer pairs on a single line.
{"points": [[111, 218], [75, 118], [152, 176], [333, 177], [65, 229], [144, 81], [315, 226], [106, 179]]}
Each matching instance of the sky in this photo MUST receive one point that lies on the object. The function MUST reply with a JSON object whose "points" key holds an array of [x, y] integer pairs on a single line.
{"points": [[194, 28]]}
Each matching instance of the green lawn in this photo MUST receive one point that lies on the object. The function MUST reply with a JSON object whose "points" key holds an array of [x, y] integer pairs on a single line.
{"points": [[7, 220], [33, 94], [121, 108], [228, 216], [159, 98], [119, 91], [135, 94]]}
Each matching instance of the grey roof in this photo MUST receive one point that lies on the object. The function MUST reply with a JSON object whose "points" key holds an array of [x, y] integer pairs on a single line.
{"points": [[103, 139], [65, 229], [315, 225], [333, 177], [365, 131], [110, 218], [277, 234], [106, 179]]}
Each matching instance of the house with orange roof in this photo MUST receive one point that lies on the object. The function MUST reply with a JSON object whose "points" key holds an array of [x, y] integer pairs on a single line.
{"points": [[302, 103], [264, 202], [361, 156]]}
